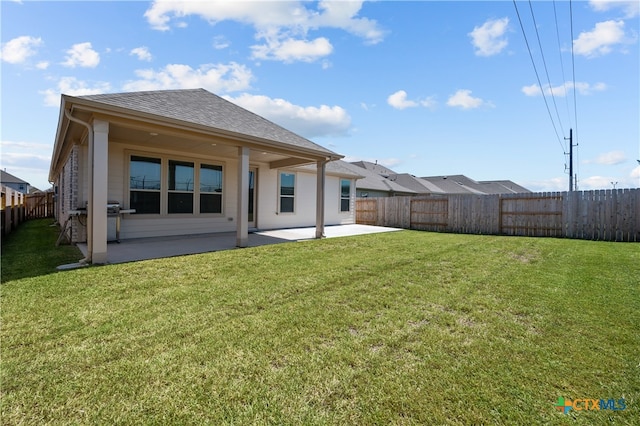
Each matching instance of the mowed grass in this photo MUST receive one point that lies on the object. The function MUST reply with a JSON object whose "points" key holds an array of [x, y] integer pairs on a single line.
{"points": [[397, 328]]}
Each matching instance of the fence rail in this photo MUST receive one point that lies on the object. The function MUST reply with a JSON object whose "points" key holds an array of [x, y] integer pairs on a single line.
{"points": [[611, 215]]}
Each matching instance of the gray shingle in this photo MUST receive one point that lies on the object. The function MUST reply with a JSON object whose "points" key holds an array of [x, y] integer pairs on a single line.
{"points": [[199, 106]]}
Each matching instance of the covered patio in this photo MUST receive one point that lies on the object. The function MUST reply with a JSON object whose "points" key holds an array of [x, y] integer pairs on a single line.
{"points": [[135, 249]]}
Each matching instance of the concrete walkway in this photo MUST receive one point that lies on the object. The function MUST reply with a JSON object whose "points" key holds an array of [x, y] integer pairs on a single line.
{"points": [[158, 247]]}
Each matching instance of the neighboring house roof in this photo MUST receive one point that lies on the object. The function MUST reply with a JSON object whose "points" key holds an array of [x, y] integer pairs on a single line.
{"points": [[461, 184], [372, 181], [417, 185], [375, 168], [9, 178]]}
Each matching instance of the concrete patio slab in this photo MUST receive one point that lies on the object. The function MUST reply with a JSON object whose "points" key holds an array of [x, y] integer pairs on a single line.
{"points": [[159, 247]]}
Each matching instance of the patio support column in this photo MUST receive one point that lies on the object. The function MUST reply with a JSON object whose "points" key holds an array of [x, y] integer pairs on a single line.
{"points": [[98, 162], [320, 178], [242, 230]]}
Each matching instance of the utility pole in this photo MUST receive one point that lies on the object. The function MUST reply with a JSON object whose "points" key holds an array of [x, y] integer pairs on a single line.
{"points": [[570, 160]]}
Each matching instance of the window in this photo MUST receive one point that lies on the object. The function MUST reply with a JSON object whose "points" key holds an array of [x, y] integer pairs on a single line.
{"points": [[345, 195], [210, 189], [181, 182], [144, 184], [287, 192]]}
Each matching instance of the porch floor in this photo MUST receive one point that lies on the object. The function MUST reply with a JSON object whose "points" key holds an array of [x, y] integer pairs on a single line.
{"points": [[131, 250]]}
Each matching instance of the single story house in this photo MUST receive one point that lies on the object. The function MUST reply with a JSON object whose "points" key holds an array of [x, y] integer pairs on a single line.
{"points": [[180, 162]]}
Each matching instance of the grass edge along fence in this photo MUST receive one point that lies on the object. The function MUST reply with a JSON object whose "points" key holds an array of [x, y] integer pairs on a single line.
{"points": [[607, 215]]}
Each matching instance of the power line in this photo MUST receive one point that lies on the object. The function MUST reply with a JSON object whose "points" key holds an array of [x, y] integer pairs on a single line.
{"points": [[546, 70], [564, 79], [535, 69]]}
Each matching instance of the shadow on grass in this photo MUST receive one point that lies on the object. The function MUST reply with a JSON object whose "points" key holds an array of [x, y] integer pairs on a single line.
{"points": [[31, 251]]}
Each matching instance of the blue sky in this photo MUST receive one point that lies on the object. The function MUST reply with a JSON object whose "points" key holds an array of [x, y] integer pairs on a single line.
{"points": [[423, 87]]}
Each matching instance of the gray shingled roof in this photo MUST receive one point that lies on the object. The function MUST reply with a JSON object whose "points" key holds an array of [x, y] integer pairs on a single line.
{"points": [[199, 106]]}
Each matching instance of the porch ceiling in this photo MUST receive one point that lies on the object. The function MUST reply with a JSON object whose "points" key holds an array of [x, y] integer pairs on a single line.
{"points": [[196, 145]]}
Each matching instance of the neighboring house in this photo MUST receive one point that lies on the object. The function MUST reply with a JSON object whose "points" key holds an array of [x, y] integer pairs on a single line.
{"points": [[412, 185], [461, 184], [372, 184], [13, 182], [188, 162]]}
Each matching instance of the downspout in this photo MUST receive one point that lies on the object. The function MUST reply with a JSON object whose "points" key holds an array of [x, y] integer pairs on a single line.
{"points": [[67, 114]]}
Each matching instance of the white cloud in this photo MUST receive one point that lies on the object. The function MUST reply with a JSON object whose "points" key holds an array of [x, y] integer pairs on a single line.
{"points": [[282, 25], [291, 50], [631, 8], [17, 50], [220, 42], [42, 65], [561, 91], [463, 99], [82, 55], [601, 39], [310, 121], [217, 78], [142, 53], [73, 87], [399, 100], [489, 39], [610, 158]]}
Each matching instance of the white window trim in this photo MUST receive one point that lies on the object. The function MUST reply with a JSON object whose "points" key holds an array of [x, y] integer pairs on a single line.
{"points": [[295, 191], [164, 183], [340, 197]]}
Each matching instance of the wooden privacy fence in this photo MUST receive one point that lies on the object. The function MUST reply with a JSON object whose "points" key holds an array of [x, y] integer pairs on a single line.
{"points": [[40, 205], [611, 215], [12, 209]]}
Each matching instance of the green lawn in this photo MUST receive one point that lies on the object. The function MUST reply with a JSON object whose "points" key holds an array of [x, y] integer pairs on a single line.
{"points": [[397, 328]]}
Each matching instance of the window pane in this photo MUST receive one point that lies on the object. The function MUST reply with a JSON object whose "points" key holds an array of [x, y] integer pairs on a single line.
{"points": [[345, 188], [180, 176], [210, 178], [180, 202], [286, 204], [210, 203], [287, 183], [344, 205], [144, 173], [145, 201]]}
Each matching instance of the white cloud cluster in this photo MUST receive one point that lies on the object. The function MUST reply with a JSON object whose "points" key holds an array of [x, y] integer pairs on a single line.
{"points": [[601, 39], [463, 99], [19, 49], [310, 121], [217, 78], [631, 8], [282, 26], [142, 53], [561, 91], [610, 158], [488, 39], [399, 100], [73, 87], [291, 50], [82, 55]]}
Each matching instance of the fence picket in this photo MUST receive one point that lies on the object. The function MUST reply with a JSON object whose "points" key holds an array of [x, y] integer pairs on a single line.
{"points": [[612, 215]]}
